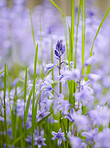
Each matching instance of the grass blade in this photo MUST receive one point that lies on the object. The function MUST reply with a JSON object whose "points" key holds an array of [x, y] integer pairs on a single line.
{"points": [[33, 102], [91, 53], [72, 28], [32, 29], [5, 120], [83, 36]]}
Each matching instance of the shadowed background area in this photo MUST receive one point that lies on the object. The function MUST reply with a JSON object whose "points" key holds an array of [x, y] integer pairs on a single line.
{"points": [[65, 5]]}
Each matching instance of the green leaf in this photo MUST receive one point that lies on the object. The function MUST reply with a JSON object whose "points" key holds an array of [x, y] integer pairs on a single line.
{"points": [[5, 119], [91, 53], [32, 29], [2, 72], [57, 7]]}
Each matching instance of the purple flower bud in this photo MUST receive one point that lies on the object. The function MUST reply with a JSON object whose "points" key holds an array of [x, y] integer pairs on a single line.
{"points": [[60, 48]]}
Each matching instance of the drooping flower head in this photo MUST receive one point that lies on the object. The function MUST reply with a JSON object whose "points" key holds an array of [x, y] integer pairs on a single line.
{"points": [[60, 49]]}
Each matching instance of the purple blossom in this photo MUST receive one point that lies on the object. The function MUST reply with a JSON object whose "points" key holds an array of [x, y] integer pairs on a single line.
{"points": [[39, 141], [89, 61], [61, 105], [70, 115], [85, 96], [49, 66], [74, 74], [103, 139], [41, 115], [90, 135], [59, 136], [100, 116], [60, 49], [81, 121], [94, 77], [76, 142]]}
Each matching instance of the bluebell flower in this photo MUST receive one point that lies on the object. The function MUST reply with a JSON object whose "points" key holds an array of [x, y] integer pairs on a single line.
{"points": [[49, 66], [94, 77], [46, 103], [70, 115], [47, 87], [83, 84], [20, 108], [100, 116], [59, 136], [90, 135], [39, 141], [76, 142], [103, 139], [106, 81], [89, 61], [74, 74], [29, 139], [61, 105], [81, 121], [60, 49], [41, 115], [85, 96]]}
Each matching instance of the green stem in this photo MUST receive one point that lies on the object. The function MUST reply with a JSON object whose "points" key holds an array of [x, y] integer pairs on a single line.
{"points": [[79, 91], [60, 84], [83, 37]]}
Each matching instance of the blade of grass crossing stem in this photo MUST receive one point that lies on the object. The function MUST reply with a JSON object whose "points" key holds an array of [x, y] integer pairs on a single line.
{"points": [[33, 102], [5, 120], [32, 29], [91, 53], [25, 93], [83, 37]]}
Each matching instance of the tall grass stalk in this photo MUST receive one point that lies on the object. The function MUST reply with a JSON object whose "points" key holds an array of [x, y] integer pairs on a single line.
{"points": [[76, 40], [5, 118], [72, 29], [91, 52], [33, 102], [83, 35], [25, 93], [32, 29]]}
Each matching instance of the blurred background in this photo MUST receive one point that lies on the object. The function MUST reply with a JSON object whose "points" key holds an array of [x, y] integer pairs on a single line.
{"points": [[16, 42], [65, 5]]}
